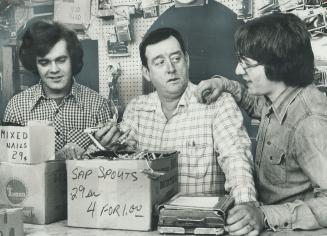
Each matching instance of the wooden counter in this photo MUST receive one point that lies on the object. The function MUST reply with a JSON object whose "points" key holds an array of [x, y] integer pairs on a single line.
{"points": [[61, 229]]}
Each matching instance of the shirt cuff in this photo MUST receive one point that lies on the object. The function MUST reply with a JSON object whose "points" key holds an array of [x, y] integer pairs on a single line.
{"points": [[278, 217], [244, 195], [234, 88]]}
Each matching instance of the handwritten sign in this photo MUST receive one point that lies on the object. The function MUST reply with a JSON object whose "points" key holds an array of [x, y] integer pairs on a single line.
{"points": [[76, 13], [27, 145], [107, 194]]}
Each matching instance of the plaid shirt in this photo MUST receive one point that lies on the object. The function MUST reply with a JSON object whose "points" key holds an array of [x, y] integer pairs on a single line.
{"points": [[80, 109], [213, 144]]}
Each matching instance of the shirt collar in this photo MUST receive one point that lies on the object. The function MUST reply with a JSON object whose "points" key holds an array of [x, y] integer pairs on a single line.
{"points": [[283, 101], [39, 94]]}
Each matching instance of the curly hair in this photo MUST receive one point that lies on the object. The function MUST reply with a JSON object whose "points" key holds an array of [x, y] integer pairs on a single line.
{"points": [[39, 39]]}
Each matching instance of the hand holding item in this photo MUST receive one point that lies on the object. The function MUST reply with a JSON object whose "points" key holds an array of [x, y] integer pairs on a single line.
{"points": [[108, 135], [245, 219]]}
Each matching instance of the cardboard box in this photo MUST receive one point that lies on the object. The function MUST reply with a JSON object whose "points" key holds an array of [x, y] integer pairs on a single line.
{"points": [[117, 194], [28, 144], [39, 189], [11, 222]]}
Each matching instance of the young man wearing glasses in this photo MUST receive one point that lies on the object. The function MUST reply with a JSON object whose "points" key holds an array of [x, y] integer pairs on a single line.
{"points": [[277, 63]]}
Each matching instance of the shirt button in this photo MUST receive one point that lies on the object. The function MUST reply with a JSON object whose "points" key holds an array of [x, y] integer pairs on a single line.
{"points": [[276, 227], [271, 158], [57, 111], [268, 142], [285, 224]]}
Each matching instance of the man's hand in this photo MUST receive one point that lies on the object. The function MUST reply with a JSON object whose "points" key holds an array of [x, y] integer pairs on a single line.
{"points": [[108, 135], [245, 219], [209, 90]]}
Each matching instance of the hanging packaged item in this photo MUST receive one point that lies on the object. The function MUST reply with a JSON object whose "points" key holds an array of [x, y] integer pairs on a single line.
{"points": [[194, 214], [108, 192], [75, 13]]}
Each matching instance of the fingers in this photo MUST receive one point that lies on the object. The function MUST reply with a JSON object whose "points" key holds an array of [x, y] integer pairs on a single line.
{"points": [[238, 220], [209, 90], [201, 88], [130, 144], [213, 96], [235, 214], [108, 135], [243, 231], [254, 232], [102, 131]]}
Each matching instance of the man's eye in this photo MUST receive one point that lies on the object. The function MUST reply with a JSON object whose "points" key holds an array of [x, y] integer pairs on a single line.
{"points": [[176, 59], [62, 60], [43, 62], [159, 62]]}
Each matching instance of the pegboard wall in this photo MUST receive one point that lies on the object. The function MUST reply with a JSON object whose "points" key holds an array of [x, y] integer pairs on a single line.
{"points": [[130, 81]]}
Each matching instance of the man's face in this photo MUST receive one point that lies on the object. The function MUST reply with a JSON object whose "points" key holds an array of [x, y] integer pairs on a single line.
{"points": [[55, 70], [167, 68], [255, 76]]}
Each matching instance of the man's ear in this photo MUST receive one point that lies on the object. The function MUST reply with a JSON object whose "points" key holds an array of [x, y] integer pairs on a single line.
{"points": [[187, 58], [145, 73]]}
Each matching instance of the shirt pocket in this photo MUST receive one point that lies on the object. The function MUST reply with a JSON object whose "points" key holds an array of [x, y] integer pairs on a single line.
{"points": [[196, 159], [275, 165]]}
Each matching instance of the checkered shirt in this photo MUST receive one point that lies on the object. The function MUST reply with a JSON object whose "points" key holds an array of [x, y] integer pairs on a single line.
{"points": [[213, 144], [80, 109]]}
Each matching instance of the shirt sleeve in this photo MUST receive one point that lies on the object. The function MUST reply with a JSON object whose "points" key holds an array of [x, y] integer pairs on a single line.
{"points": [[310, 148], [106, 112], [253, 105], [130, 120], [11, 113], [232, 146]]}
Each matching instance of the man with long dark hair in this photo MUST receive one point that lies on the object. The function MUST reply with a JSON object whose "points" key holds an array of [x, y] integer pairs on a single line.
{"points": [[277, 63]]}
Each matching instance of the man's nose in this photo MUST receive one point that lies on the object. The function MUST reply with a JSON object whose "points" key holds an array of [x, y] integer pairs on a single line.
{"points": [[170, 66], [54, 67], [239, 69]]}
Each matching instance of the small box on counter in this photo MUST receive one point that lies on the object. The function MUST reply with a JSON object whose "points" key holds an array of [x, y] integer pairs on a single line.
{"points": [[27, 144], [120, 193], [200, 214], [40, 189], [11, 222]]}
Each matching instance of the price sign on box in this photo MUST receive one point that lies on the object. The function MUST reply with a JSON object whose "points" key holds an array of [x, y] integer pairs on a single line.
{"points": [[107, 194], [28, 145]]}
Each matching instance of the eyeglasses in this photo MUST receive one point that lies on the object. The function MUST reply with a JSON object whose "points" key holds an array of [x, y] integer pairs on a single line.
{"points": [[247, 66]]}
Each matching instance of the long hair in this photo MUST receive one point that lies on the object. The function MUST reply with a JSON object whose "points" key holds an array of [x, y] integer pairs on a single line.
{"points": [[41, 36], [281, 43]]}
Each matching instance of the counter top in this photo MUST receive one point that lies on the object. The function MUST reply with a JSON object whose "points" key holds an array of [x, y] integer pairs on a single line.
{"points": [[61, 228]]}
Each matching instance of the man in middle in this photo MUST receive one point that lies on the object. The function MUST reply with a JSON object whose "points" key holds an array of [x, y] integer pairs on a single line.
{"points": [[214, 148]]}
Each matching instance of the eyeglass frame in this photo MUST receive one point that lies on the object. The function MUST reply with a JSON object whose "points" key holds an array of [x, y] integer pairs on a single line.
{"points": [[240, 58], [247, 66]]}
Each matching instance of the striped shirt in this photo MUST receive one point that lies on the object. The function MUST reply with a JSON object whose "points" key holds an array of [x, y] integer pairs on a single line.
{"points": [[80, 109], [214, 148]]}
